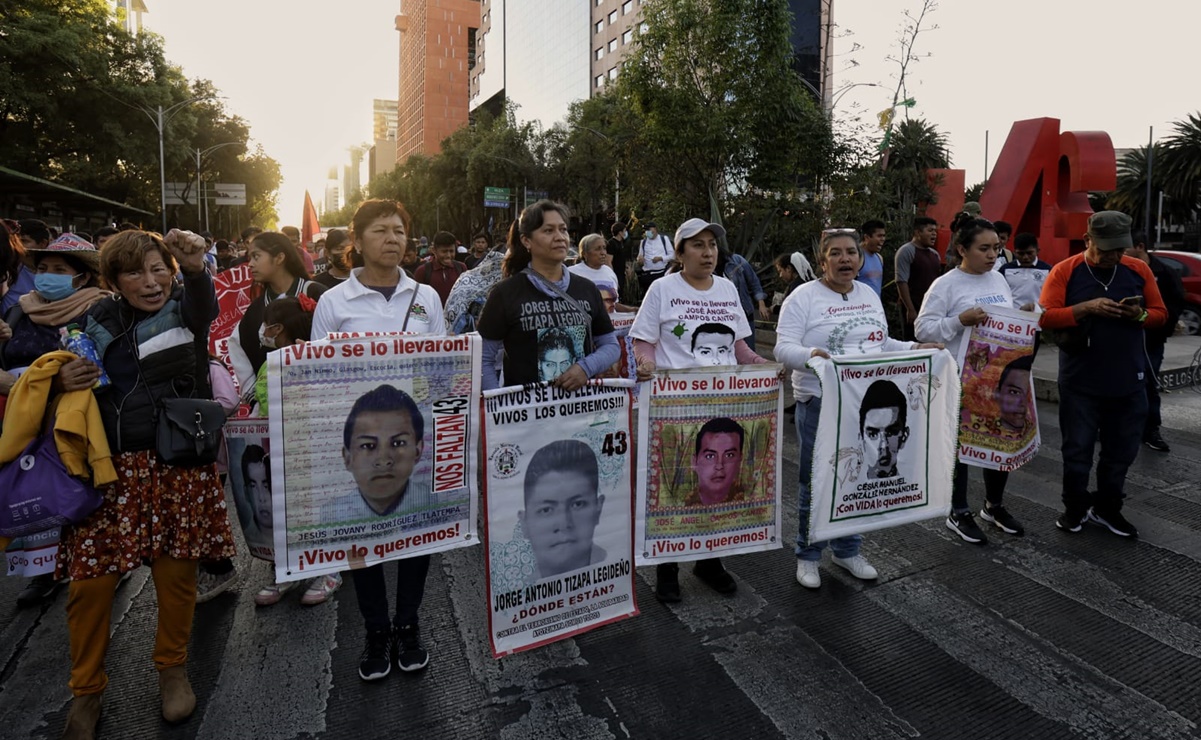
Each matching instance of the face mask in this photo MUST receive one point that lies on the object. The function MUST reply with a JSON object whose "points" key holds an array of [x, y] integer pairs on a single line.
{"points": [[266, 341], [54, 287]]}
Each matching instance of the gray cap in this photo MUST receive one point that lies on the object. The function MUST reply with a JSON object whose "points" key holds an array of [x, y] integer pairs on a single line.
{"points": [[1110, 230], [694, 226]]}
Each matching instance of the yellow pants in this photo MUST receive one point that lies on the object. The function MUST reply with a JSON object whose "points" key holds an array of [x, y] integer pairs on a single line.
{"points": [[89, 613]]}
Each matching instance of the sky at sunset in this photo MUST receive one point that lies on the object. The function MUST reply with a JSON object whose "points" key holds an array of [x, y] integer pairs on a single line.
{"points": [[303, 72]]}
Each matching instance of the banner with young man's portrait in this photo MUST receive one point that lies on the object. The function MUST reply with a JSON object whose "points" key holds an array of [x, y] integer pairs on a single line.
{"points": [[708, 463], [558, 504], [885, 448], [373, 450], [998, 418], [248, 442]]}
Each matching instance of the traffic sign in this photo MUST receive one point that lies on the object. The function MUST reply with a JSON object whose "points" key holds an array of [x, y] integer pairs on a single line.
{"points": [[496, 197]]}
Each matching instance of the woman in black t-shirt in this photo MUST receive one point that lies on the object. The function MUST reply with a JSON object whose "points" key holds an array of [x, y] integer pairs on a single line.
{"points": [[552, 325]]}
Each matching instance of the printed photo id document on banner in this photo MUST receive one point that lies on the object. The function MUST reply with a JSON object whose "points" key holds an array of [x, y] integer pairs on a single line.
{"points": [[998, 419], [558, 502], [249, 444], [885, 448], [373, 450], [708, 463]]}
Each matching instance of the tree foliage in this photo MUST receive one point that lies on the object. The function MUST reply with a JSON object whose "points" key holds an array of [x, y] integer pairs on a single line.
{"points": [[74, 88]]}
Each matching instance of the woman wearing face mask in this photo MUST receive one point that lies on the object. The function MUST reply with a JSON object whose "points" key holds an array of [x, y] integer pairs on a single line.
{"points": [[337, 256], [277, 268], [66, 274]]}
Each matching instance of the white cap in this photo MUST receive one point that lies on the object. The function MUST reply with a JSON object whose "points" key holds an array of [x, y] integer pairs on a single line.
{"points": [[694, 226]]}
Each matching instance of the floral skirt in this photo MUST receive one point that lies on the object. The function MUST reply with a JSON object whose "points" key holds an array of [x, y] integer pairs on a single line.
{"points": [[152, 510]]}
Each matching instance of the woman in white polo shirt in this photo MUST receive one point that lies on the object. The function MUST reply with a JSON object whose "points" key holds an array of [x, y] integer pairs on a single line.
{"points": [[378, 296]]}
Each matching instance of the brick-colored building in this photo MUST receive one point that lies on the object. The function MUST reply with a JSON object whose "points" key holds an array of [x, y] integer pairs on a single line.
{"points": [[437, 53]]}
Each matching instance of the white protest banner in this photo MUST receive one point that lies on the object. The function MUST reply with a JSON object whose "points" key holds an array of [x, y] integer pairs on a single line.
{"points": [[998, 419], [249, 444], [33, 554], [373, 450], [885, 448], [709, 463], [558, 497]]}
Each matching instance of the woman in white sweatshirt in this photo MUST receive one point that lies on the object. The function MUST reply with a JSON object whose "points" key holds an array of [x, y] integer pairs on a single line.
{"points": [[956, 301], [835, 315]]}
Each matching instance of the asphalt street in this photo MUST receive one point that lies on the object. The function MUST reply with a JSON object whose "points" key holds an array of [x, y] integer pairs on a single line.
{"points": [[1044, 636]]}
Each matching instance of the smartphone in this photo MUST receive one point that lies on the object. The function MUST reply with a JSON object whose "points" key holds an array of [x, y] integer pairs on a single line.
{"points": [[1134, 300]]}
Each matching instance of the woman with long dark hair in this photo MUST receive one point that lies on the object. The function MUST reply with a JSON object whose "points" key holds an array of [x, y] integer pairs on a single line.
{"points": [[279, 271], [956, 302], [538, 284]]}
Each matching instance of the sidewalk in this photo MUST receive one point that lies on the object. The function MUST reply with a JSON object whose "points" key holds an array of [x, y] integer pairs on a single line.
{"points": [[1177, 370]]}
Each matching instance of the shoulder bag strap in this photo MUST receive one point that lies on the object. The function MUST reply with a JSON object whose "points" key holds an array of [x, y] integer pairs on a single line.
{"points": [[409, 310]]}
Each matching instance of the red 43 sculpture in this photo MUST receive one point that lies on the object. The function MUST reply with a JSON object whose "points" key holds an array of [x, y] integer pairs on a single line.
{"points": [[1040, 184]]}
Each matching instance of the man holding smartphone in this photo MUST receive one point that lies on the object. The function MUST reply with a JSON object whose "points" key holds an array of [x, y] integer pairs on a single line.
{"points": [[1098, 304]]}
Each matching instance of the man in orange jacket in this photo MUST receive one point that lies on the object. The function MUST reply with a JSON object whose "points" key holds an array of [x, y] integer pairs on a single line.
{"points": [[1098, 304]]}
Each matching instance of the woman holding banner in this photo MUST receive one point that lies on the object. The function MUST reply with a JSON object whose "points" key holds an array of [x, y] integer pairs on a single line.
{"points": [[953, 304], [379, 296], [537, 313], [834, 315], [668, 335]]}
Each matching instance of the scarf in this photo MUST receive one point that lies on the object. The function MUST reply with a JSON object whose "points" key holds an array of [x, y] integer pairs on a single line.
{"points": [[57, 313]]}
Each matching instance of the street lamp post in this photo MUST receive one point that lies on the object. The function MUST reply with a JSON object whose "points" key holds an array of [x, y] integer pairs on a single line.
{"points": [[200, 153], [160, 117]]}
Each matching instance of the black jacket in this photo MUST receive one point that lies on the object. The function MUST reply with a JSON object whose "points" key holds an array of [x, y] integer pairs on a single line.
{"points": [[1172, 290]]}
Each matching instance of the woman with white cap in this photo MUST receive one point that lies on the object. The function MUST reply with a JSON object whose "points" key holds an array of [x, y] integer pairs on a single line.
{"points": [[663, 333]]}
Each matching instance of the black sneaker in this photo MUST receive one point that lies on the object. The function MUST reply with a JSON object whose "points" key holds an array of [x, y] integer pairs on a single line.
{"points": [[411, 655], [965, 526], [714, 575], [376, 661], [1072, 520], [667, 583], [1113, 520], [1155, 441], [1004, 521], [39, 588]]}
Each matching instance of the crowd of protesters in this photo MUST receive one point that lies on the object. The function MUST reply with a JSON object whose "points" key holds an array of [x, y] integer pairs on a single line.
{"points": [[147, 301]]}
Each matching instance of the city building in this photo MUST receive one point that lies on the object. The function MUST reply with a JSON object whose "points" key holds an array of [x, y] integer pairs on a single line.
{"points": [[333, 197], [541, 73], [437, 54], [382, 157], [129, 14]]}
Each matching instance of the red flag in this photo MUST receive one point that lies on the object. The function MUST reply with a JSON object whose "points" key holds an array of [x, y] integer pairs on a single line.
{"points": [[309, 228]]}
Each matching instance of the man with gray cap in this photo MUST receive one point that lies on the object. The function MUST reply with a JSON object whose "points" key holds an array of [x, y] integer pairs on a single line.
{"points": [[1097, 305]]}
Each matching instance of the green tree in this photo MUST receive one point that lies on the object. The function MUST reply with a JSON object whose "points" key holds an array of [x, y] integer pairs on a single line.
{"points": [[716, 106], [74, 88], [1182, 164]]}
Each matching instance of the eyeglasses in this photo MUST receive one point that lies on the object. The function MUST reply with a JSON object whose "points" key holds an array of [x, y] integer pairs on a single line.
{"points": [[828, 232]]}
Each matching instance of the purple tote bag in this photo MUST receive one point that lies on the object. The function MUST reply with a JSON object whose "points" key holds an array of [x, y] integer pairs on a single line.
{"points": [[37, 492]]}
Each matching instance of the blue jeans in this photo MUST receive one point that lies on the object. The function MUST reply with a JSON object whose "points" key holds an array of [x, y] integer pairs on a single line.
{"points": [[1118, 422], [807, 414], [1155, 355]]}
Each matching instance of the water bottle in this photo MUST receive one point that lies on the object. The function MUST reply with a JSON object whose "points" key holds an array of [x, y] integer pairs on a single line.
{"points": [[81, 345]]}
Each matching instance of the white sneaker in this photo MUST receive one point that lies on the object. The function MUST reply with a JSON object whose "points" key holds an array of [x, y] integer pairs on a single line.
{"points": [[807, 575], [858, 567], [208, 586]]}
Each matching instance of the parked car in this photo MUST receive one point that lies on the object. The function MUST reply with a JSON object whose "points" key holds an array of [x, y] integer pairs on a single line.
{"points": [[1188, 266]]}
